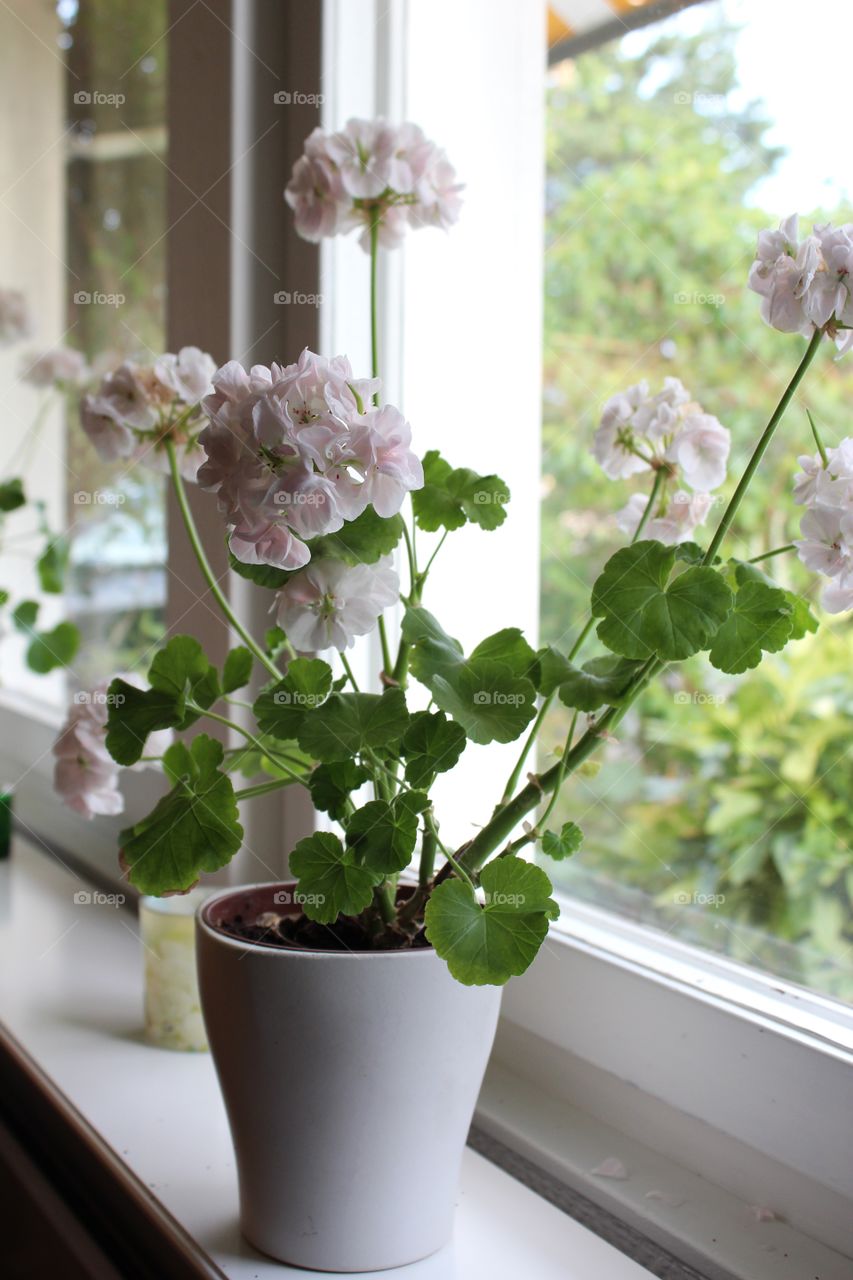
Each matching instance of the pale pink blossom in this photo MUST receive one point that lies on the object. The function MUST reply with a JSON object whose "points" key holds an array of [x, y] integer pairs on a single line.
{"points": [[15, 322], [805, 285], [272, 544], [188, 374], [111, 438], [293, 452], [838, 594], [683, 513], [824, 546], [700, 448], [390, 468], [85, 775], [363, 155], [372, 173], [59, 366], [138, 407], [329, 603], [829, 486], [615, 440]]}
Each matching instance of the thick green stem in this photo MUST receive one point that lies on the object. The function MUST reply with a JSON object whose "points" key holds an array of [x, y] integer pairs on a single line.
{"points": [[512, 781], [508, 815], [384, 896], [761, 448], [204, 565], [387, 664], [429, 848]]}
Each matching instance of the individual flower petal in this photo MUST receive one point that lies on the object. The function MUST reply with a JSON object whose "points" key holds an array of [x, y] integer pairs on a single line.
{"points": [[391, 469], [329, 603], [701, 449], [272, 544], [822, 547], [188, 374]]}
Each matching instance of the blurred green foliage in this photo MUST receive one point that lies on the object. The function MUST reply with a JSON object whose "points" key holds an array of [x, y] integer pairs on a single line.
{"points": [[650, 233]]}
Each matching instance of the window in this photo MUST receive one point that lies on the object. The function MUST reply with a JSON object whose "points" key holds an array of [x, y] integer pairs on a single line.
{"points": [[83, 216], [722, 815], [115, 199]]}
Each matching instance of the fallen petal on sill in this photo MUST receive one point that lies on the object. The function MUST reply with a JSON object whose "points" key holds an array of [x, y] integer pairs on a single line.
{"points": [[610, 1168], [669, 1198], [762, 1214]]}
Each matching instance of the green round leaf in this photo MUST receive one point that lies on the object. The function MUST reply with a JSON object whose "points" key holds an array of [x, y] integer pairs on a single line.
{"points": [[488, 943], [643, 616]]}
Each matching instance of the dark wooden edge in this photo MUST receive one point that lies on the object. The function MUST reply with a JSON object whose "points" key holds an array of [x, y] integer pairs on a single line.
{"points": [[127, 1221]]}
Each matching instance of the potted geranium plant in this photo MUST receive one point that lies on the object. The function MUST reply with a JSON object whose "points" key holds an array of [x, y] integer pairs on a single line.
{"points": [[351, 1010]]}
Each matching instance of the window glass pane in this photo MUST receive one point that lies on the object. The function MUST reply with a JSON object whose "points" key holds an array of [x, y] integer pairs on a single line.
{"points": [[722, 813], [83, 215]]}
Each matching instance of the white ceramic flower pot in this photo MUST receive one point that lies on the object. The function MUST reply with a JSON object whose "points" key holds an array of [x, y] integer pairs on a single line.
{"points": [[350, 1080]]}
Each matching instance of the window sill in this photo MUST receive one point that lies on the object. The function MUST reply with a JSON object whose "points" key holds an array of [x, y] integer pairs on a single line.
{"points": [[74, 1020], [659, 1202]]}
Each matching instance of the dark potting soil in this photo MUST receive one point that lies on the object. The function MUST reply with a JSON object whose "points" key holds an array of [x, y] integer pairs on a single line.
{"points": [[292, 932]]}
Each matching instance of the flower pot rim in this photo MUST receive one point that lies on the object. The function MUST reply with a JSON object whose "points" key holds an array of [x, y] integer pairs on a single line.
{"points": [[291, 953]]}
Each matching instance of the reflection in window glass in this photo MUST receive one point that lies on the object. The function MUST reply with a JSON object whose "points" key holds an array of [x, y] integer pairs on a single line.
{"points": [[115, 197], [723, 815], [83, 222]]}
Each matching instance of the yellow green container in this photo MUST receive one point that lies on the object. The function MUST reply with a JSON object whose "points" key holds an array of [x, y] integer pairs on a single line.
{"points": [[173, 1018]]}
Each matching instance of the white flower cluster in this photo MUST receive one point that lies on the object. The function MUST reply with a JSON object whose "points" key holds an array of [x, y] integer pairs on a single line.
{"points": [[137, 406], [666, 432], [805, 285], [371, 171], [293, 452], [827, 525]]}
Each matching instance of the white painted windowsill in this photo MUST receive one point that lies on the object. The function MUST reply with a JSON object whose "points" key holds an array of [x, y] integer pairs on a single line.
{"points": [[71, 995]]}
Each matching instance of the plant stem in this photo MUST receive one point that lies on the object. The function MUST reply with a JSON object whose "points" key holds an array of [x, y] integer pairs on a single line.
{"points": [[660, 479], [280, 760], [508, 815], [549, 808], [761, 448], [264, 787], [441, 542], [414, 597], [349, 672], [821, 448], [512, 781], [387, 665], [429, 847], [374, 327], [777, 551], [204, 565], [385, 899], [429, 820]]}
